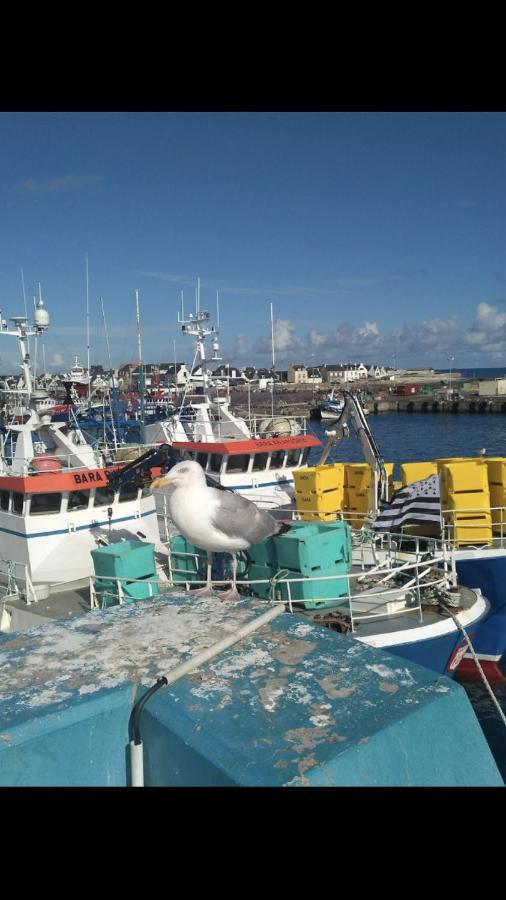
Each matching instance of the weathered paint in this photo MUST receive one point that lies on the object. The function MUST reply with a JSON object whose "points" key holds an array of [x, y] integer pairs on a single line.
{"points": [[294, 704]]}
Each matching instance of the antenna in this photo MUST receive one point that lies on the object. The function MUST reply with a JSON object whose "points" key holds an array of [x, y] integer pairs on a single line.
{"points": [[35, 351], [26, 308], [217, 310]]}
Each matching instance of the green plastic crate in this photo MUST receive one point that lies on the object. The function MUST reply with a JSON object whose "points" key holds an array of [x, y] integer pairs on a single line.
{"points": [[126, 559], [309, 548], [107, 590], [314, 594]]}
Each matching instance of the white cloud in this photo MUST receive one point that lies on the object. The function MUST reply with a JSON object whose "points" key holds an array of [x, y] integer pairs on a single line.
{"points": [[57, 359]]}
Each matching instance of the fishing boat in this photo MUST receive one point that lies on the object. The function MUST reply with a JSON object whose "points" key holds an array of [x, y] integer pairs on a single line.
{"points": [[257, 458], [56, 501], [468, 522]]}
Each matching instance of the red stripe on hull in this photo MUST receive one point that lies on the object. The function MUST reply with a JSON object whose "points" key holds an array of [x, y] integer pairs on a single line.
{"points": [[468, 669]]}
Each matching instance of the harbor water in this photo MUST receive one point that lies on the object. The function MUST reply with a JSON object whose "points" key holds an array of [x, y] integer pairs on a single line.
{"points": [[413, 437]]}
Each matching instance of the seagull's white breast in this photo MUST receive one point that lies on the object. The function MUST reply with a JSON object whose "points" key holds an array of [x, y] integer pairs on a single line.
{"points": [[192, 510]]}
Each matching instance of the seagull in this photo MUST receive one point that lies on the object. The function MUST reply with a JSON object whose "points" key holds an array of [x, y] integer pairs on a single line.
{"points": [[215, 520], [481, 452]]}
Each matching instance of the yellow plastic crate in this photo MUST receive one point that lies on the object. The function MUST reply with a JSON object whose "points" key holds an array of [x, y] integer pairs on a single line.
{"points": [[466, 477], [324, 501], [469, 529], [319, 516], [319, 478], [417, 471], [496, 466]]}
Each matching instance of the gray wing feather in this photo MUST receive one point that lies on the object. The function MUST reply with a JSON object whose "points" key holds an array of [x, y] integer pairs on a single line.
{"points": [[235, 516]]}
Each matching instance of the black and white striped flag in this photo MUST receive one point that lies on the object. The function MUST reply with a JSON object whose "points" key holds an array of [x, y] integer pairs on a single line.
{"points": [[416, 504]]}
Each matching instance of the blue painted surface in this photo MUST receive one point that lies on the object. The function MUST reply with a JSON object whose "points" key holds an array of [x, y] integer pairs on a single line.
{"points": [[489, 574], [294, 704], [434, 654]]}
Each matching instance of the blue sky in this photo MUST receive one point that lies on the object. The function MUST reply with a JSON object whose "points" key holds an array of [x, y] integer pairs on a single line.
{"points": [[378, 237]]}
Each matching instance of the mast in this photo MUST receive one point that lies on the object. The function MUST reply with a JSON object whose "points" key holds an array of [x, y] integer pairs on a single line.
{"points": [[88, 329], [112, 376], [273, 362], [141, 364]]}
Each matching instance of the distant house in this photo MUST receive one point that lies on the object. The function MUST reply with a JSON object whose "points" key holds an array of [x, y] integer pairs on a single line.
{"points": [[227, 371], [297, 374], [314, 375], [377, 372], [343, 372]]}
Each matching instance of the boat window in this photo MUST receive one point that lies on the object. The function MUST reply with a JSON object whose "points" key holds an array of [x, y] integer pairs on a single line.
{"points": [[277, 458], [305, 455], [292, 457], [146, 490], [4, 499], [215, 462], [45, 504], [260, 461], [202, 459], [104, 496], [17, 502], [78, 500], [238, 463], [128, 492]]}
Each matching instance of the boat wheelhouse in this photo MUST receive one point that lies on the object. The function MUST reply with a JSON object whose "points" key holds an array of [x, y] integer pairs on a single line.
{"points": [[259, 468]]}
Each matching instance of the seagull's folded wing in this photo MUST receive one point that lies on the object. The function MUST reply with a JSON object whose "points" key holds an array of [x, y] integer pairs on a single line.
{"points": [[236, 517]]}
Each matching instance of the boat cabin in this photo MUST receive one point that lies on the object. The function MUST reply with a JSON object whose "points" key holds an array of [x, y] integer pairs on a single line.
{"points": [[251, 456]]}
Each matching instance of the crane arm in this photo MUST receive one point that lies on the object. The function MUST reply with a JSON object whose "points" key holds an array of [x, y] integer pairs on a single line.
{"points": [[352, 411]]}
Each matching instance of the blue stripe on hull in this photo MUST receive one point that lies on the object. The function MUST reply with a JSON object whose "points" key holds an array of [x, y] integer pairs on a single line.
{"points": [[88, 527]]}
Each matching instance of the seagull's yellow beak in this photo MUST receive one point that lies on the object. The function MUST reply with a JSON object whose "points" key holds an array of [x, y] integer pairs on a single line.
{"points": [[159, 482]]}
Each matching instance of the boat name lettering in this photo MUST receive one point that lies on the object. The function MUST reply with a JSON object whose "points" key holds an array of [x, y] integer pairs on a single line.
{"points": [[91, 476]]}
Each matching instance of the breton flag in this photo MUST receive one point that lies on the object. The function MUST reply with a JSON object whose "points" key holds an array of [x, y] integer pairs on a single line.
{"points": [[416, 504]]}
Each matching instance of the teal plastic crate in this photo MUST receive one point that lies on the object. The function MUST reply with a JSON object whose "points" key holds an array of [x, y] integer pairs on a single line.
{"points": [[107, 590], [311, 548], [189, 563], [186, 567], [126, 559], [313, 594]]}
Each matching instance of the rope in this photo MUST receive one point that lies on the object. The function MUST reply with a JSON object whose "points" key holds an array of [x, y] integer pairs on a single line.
{"points": [[480, 670], [279, 576]]}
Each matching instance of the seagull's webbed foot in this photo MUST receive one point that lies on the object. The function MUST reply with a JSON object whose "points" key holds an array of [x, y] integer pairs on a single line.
{"points": [[204, 592], [231, 595]]}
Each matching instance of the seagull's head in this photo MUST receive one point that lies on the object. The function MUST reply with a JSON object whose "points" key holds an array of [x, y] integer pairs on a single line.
{"points": [[184, 474]]}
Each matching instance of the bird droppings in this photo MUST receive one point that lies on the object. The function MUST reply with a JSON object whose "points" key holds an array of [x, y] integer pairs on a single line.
{"points": [[382, 671], [293, 651], [387, 687], [281, 691], [272, 692]]}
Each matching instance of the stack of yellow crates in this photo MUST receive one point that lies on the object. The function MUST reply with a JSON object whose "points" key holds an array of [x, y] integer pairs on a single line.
{"points": [[357, 486], [319, 492], [465, 496], [496, 466]]}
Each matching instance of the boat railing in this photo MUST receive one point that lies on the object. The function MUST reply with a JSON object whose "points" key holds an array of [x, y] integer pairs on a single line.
{"points": [[111, 587], [15, 581], [478, 527], [360, 601]]}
